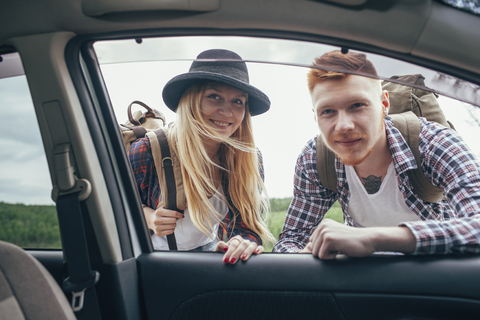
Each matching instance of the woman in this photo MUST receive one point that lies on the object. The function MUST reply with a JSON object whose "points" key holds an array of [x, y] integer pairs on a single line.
{"points": [[213, 139]]}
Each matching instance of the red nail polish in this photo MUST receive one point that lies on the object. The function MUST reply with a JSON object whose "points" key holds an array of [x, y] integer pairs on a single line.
{"points": [[257, 250], [244, 256], [225, 249], [233, 260], [225, 260]]}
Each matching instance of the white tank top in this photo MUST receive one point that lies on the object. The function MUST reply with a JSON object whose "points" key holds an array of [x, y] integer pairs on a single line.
{"points": [[187, 235], [386, 208]]}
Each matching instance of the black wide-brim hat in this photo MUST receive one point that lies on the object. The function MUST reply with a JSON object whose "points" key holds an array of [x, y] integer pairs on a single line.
{"points": [[209, 67]]}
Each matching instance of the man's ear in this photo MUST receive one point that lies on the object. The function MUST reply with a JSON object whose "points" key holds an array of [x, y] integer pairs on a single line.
{"points": [[385, 102], [314, 114]]}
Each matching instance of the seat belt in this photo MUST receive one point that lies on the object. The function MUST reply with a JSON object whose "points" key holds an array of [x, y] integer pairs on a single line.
{"points": [[82, 279]]}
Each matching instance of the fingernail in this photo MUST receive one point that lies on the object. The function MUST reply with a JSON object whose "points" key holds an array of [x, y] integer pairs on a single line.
{"points": [[225, 249], [257, 250], [225, 260], [232, 261], [244, 256]]}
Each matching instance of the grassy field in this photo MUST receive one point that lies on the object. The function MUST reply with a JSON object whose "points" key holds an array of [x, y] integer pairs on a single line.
{"points": [[29, 226], [37, 226], [279, 211]]}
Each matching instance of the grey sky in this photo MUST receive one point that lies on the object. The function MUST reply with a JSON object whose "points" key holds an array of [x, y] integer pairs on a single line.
{"points": [[24, 176]]}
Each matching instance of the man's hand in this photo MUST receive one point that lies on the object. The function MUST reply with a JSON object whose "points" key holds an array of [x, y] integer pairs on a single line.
{"points": [[331, 238]]}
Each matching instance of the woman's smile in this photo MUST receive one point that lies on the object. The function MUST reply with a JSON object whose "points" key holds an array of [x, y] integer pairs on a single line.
{"points": [[220, 124]]}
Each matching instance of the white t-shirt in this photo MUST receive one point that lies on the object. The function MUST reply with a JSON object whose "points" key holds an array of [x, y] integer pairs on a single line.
{"points": [[187, 235], [386, 208]]}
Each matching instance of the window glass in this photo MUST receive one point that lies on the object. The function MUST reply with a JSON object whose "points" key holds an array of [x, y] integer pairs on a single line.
{"points": [[138, 70], [27, 213]]}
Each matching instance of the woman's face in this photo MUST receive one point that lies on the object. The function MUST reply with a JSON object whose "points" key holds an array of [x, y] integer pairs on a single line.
{"points": [[223, 107]]}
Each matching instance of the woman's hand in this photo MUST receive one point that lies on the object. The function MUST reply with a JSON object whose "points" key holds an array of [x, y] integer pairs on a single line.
{"points": [[238, 248], [162, 221]]}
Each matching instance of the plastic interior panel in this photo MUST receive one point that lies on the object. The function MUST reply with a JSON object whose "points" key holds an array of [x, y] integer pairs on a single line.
{"points": [[383, 307], [452, 277]]}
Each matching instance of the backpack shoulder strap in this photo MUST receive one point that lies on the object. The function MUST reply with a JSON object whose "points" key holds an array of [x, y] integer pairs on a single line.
{"points": [[166, 163], [325, 159], [409, 126]]}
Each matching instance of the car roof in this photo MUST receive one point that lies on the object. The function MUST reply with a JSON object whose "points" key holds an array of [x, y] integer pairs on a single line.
{"points": [[422, 31]]}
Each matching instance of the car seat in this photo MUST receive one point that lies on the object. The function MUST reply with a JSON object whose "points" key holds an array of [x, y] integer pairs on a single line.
{"points": [[27, 289]]}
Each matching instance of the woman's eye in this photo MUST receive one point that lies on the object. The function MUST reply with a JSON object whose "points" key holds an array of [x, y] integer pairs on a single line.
{"points": [[213, 96], [239, 102]]}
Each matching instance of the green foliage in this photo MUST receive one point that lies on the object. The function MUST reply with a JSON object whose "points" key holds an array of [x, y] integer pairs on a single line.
{"points": [[278, 212], [29, 226], [335, 213], [279, 204], [37, 226]]}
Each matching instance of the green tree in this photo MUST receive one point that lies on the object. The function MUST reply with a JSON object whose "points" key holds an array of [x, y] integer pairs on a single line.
{"points": [[29, 226]]}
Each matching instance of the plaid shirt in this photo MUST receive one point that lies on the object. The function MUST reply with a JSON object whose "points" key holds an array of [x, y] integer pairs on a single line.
{"points": [[145, 174], [451, 226]]}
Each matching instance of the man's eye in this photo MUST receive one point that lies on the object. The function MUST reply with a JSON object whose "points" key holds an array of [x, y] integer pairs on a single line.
{"points": [[327, 111], [358, 105]]}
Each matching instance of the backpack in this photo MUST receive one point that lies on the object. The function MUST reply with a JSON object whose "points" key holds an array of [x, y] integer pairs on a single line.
{"points": [[406, 105], [140, 123], [151, 124]]}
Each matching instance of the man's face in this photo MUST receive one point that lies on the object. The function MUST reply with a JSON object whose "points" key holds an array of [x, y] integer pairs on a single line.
{"points": [[349, 113]]}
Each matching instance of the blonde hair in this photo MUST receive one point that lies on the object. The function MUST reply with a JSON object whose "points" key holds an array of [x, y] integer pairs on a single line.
{"points": [[238, 158]]}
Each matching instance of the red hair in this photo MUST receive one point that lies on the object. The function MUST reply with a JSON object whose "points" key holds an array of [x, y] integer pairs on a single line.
{"points": [[350, 61]]}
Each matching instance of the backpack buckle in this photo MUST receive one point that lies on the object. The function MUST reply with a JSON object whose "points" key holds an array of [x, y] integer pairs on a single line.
{"points": [[169, 164]]}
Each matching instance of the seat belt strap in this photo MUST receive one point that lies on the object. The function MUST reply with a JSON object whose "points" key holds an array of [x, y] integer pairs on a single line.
{"points": [[82, 279]]}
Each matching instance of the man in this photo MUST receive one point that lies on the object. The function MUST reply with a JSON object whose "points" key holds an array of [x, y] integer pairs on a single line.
{"points": [[373, 188]]}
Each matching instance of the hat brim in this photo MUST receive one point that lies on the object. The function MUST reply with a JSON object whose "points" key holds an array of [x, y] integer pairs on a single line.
{"points": [[258, 101]]}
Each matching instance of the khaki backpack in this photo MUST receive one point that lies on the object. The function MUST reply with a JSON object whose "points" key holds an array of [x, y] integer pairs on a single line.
{"points": [[406, 105], [139, 123], [151, 124]]}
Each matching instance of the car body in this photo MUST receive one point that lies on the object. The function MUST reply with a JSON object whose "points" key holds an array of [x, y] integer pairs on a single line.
{"points": [[55, 40]]}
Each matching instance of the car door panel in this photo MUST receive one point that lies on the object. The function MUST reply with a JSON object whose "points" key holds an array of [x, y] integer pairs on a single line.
{"points": [[176, 284], [398, 306]]}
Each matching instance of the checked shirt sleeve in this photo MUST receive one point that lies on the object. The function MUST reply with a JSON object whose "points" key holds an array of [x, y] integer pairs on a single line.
{"points": [[309, 204], [145, 173], [449, 164]]}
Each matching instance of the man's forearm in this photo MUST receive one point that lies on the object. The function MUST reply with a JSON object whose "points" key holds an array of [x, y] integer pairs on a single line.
{"points": [[399, 239]]}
